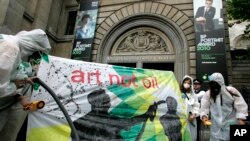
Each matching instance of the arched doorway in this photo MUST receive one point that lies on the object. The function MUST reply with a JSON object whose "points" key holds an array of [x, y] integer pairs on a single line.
{"points": [[146, 41], [143, 47]]}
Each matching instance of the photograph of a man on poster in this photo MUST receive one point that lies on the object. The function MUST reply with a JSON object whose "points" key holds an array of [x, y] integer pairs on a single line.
{"points": [[208, 17], [85, 26]]}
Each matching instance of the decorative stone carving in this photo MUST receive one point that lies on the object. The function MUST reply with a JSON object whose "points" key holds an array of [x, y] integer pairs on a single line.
{"points": [[142, 41], [235, 34]]}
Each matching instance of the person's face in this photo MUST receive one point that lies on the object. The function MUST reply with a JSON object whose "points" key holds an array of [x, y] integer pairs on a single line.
{"points": [[208, 3], [187, 84], [197, 86], [215, 87], [85, 21]]}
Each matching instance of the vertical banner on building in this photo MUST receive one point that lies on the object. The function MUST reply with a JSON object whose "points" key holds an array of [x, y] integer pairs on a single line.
{"points": [[85, 30], [210, 38]]}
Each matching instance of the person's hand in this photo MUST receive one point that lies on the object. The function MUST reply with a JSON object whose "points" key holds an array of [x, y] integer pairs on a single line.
{"points": [[30, 80], [204, 119], [20, 83], [241, 122], [23, 82], [191, 117], [201, 19], [23, 100], [206, 122]]}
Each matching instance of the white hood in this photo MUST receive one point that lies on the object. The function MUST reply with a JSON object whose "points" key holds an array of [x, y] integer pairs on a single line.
{"points": [[32, 41], [217, 77]]}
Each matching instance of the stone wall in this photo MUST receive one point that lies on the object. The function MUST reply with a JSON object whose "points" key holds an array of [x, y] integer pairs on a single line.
{"points": [[241, 73], [51, 16], [112, 13], [48, 15]]}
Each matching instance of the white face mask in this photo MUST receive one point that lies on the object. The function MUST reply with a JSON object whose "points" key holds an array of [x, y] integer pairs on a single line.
{"points": [[186, 85]]}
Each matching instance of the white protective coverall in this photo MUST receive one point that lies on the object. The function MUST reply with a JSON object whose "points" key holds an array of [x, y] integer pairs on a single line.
{"points": [[225, 111], [193, 107], [12, 49]]}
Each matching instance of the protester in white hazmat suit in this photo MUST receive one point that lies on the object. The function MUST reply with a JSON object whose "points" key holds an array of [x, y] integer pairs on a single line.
{"points": [[193, 106], [226, 105], [13, 48]]}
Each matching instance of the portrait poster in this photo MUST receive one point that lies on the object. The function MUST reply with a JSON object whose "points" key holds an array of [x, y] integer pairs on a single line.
{"points": [[108, 102], [85, 30], [210, 38]]}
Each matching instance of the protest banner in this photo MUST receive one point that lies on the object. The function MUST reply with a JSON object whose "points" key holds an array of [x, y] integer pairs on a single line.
{"points": [[107, 102]]}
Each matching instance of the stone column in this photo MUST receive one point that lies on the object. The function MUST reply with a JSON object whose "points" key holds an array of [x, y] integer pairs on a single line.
{"points": [[11, 15], [42, 14]]}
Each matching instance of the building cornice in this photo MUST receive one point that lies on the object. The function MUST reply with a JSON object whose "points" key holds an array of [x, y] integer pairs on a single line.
{"points": [[64, 38]]}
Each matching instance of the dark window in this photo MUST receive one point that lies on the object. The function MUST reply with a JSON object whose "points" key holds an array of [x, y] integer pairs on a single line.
{"points": [[159, 66], [133, 65], [71, 23]]}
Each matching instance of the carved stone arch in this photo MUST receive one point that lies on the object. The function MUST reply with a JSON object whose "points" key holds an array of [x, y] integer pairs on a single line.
{"points": [[240, 42], [163, 21], [236, 40], [142, 40]]}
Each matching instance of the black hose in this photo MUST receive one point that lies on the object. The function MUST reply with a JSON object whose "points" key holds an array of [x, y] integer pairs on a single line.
{"points": [[74, 132]]}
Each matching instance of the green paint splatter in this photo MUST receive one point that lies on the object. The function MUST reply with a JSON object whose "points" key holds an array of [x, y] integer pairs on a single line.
{"points": [[36, 86]]}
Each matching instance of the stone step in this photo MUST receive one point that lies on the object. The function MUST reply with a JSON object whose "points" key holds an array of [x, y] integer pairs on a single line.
{"points": [[240, 85], [240, 73], [241, 65], [241, 69], [241, 76], [241, 80], [240, 61]]}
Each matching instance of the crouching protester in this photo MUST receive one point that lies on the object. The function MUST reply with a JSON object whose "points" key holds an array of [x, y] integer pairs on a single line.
{"points": [[226, 106], [13, 50]]}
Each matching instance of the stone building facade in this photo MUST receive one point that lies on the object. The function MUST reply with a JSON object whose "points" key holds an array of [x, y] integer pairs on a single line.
{"points": [[154, 34]]}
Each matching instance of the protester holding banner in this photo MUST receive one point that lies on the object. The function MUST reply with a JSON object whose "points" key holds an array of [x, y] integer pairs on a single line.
{"points": [[199, 93], [13, 49], [193, 106], [204, 16], [226, 105], [197, 89]]}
